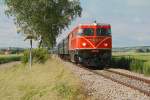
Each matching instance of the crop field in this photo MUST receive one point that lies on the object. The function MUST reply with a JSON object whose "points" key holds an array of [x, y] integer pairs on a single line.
{"points": [[137, 62], [49, 81], [9, 58]]}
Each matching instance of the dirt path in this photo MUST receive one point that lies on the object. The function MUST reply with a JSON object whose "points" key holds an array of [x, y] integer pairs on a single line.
{"points": [[7, 65]]}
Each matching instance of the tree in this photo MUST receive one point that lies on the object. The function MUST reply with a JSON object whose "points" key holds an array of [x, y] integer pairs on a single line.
{"points": [[140, 50], [44, 18], [147, 50]]}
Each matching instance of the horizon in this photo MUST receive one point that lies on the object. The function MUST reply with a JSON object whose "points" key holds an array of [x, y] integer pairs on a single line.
{"points": [[112, 47]]}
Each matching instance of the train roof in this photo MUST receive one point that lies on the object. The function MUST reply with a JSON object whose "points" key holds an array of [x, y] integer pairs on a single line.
{"points": [[95, 24], [92, 24]]}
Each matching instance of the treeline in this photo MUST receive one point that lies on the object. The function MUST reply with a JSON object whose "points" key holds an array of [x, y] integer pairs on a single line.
{"points": [[132, 49], [11, 50], [143, 50]]}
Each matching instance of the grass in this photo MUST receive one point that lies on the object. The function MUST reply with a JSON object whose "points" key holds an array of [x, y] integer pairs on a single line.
{"points": [[137, 62], [49, 81], [9, 58]]}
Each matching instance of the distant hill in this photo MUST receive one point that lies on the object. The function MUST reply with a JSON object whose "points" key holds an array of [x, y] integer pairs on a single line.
{"points": [[129, 49]]}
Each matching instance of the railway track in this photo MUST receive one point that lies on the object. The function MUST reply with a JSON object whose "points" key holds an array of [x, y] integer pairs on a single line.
{"points": [[134, 82], [130, 76]]}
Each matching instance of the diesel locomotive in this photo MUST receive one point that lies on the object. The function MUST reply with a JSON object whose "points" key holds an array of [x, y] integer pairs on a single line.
{"points": [[89, 44]]}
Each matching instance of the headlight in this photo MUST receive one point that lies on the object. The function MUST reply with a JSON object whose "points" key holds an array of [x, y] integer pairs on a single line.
{"points": [[84, 44], [105, 44]]}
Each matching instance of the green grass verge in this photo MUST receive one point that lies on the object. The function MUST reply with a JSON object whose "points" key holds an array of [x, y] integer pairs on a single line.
{"points": [[49, 81], [9, 58], [146, 68], [137, 62]]}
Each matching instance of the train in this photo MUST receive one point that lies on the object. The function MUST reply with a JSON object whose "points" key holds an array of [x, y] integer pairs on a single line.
{"points": [[88, 44]]}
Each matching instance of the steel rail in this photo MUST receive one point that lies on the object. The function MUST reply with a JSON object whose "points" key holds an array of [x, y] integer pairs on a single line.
{"points": [[129, 76], [123, 83], [117, 81]]}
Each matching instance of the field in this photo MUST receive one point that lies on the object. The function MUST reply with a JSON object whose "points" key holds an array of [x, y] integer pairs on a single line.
{"points": [[138, 62], [9, 58], [49, 81]]}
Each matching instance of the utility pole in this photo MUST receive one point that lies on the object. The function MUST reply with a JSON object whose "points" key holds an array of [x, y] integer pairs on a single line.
{"points": [[30, 54]]}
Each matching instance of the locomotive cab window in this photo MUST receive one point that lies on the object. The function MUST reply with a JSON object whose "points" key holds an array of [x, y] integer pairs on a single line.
{"points": [[103, 31], [88, 32]]}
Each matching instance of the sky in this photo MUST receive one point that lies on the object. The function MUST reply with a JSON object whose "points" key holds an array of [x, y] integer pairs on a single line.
{"points": [[129, 19], [8, 35]]}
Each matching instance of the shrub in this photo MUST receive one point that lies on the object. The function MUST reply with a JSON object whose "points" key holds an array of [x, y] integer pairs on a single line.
{"points": [[146, 68], [137, 65], [137, 62], [39, 55], [25, 56], [121, 62], [6, 59]]}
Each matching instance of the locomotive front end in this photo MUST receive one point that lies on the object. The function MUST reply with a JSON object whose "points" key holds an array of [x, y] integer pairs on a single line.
{"points": [[93, 45]]}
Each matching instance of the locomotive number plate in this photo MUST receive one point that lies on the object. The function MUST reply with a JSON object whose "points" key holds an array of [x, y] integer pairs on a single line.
{"points": [[95, 40]]}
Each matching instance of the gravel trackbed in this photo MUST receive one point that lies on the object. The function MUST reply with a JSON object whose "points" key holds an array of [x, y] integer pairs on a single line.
{"points": [[100, 88]]}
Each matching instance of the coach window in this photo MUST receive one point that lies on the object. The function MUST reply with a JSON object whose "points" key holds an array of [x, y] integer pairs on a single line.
{"points": [[88, 32]]}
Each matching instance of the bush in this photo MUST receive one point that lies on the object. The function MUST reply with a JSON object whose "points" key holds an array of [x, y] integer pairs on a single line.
{"points": [[146, 68], [137, 65], [134, 62], [123, 62], [39, 55], [6, 59]]}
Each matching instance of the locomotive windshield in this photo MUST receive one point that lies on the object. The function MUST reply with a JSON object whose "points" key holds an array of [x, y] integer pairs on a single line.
{"points": [[87, 32], [103, 31]]}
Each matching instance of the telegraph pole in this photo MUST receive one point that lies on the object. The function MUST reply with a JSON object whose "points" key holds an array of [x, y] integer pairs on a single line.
{"points": [[30, 62]]}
